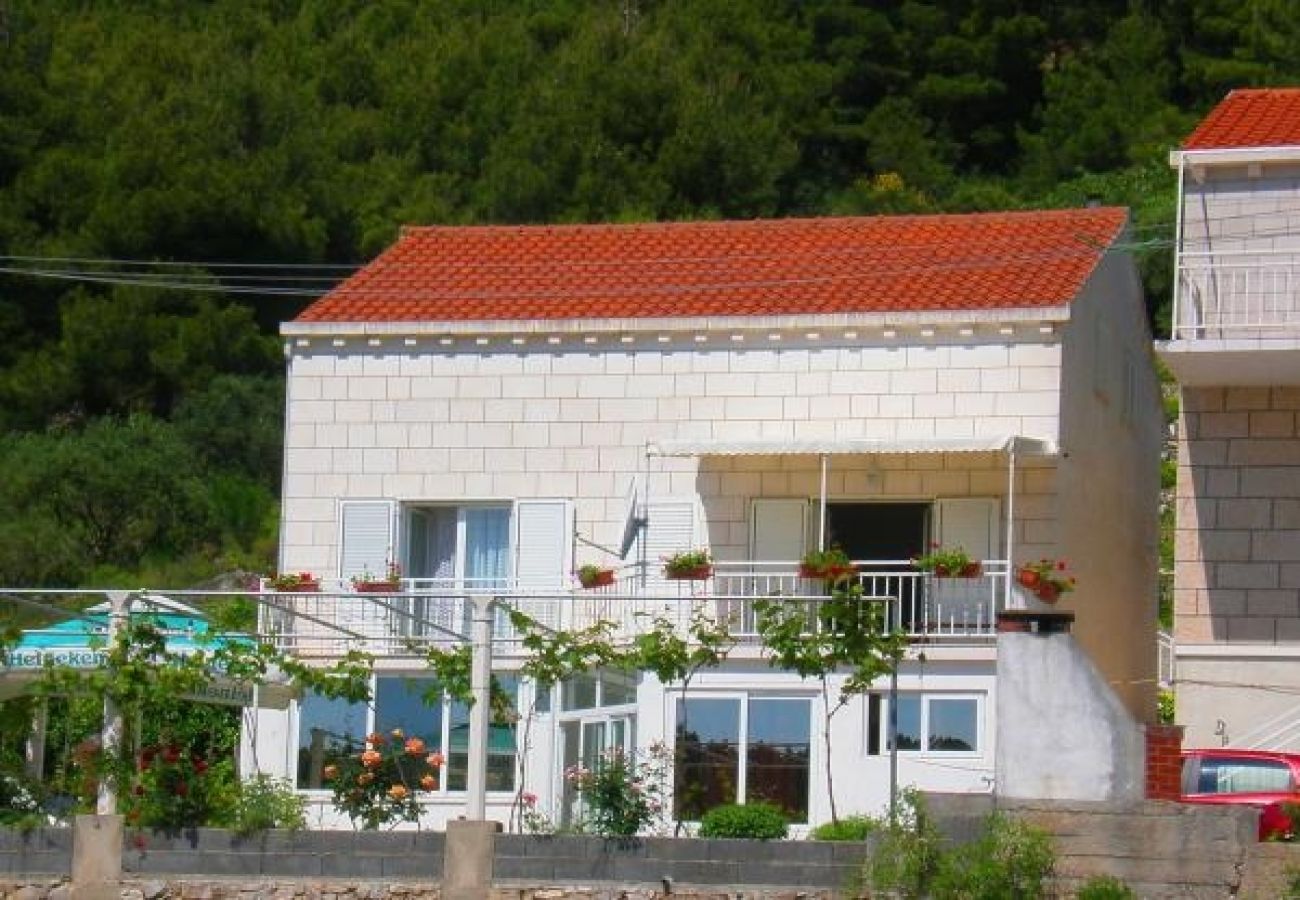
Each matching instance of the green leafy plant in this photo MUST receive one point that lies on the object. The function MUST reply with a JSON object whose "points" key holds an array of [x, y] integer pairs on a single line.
{"points": [[176, 787], [1011, 859], [592, 575], [849, 828], [842, 634], [380, 785], [622, 795], [947, 562], [758, 821], [1105, 887], [20, 801], [1165, 707], [391, 577], [688, 563], [293, 581], [831, 563], [264, 802]]}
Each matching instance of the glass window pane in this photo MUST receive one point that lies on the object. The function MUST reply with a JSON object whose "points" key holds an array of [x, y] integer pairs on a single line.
{"points": [[579, 692], [707, 755], [953, 725], [458, 743], [777, 755], [617, 688], [501, 743], [487, 546], [328, 730], [909, 722], [1241, 776], [413, 706]]}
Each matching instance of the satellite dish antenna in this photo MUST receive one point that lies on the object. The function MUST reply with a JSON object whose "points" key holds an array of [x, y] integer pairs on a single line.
{"points": [[634, 519]]}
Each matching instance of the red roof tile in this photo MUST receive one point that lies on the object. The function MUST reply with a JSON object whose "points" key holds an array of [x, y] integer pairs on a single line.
{"points": [[1263, 117], [743, 268]]}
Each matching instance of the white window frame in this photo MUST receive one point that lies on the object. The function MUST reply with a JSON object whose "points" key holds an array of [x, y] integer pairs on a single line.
{"points": [[926, 697], [445, 737], [744, 697]]}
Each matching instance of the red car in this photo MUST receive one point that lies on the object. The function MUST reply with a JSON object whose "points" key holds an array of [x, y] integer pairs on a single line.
{"points": [[1266, 779]]}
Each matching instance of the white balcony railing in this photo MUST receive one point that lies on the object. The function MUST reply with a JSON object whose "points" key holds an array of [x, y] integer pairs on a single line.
{"points": [[1242, 294], [437, 612]]}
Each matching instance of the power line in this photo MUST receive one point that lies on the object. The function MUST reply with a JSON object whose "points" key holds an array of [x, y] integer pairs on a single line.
{"points": [[82, 260]]}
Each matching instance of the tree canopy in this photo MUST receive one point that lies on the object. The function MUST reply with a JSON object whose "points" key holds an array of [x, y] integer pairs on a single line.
{"points": [[250, 151]]}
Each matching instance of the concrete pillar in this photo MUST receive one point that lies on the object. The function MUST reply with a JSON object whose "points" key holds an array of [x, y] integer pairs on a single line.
{"points": [[1062, 733], [96, 857], [467, 859]]}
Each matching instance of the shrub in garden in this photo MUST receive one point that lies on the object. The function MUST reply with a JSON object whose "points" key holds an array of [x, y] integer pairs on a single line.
{"points": [[759, 821], [265, 802], [850, 828], [174, 788], [622, 795], [1105, 887], [1011, 859], [380, 785]]}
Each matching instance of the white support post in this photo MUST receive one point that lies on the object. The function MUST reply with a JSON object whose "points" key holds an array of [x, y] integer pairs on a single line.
{"points": [[36, 741], [1175, 321], [111, 734], [1011, 524], [821, 524], [480, 713]]}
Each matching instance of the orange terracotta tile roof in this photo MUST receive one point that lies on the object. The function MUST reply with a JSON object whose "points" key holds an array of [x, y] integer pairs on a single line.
{"points": [[1262, 117], [743, 268]]}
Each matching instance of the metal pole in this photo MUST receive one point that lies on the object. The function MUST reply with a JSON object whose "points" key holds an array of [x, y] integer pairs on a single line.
{"points": [[893, 745], [821, 532], [1011, 524], [111, 735], [1174, 321], [480, 713]]}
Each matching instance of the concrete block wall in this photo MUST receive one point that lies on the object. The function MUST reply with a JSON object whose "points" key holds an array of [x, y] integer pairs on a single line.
{"points": [[40, 850], [428, 422], [1237, 544]]}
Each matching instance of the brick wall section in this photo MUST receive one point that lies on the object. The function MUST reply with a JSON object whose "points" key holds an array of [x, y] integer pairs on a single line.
{"points": [[1164, 764], [1237, 545]]}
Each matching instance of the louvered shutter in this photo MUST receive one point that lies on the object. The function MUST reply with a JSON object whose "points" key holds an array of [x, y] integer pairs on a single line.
{"points": [[670, 528], [542, 542], [367, 537], [777, 534]]}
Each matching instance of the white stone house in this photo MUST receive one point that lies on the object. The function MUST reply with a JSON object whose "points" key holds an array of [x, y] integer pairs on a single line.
{"points": [[493, 407], [1235, 350]]}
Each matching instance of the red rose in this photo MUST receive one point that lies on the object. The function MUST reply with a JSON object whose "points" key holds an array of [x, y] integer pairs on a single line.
{"points": [[182, 789], [200, 766], [172, 754]]}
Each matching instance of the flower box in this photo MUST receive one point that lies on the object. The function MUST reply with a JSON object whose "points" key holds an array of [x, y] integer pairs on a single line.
{"points": [[827, 573], [597, 579], [376, 587], [689, 573]]}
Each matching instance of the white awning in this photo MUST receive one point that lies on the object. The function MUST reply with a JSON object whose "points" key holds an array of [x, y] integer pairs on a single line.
{"points": [[994, 443]]}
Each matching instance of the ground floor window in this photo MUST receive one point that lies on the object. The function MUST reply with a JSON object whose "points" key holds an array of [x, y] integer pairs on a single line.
{"points": [[927, 723], [329, 730], [742, 749]]}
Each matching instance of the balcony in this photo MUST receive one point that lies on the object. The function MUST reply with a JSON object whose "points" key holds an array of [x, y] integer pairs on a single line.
{"points": [[427, 612], [1236, 313]]}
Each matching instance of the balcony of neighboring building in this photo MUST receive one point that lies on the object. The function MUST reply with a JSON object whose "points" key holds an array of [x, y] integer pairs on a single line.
{"points": [[1236, 318]]}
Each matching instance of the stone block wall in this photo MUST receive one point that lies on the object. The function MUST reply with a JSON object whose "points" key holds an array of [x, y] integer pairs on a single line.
{"points": [[1237, 545], [38, 851]]}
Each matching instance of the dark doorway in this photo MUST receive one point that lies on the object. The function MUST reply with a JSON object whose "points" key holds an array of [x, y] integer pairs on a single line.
{"points": [[878, 531]]}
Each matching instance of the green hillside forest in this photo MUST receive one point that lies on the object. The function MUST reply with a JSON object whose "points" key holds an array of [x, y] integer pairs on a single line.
{"points": [[178, 176]]}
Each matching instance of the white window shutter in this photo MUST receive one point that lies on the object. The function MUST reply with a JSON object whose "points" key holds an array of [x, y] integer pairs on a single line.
{"points": [[543, 538], [366, 537], [670, 528], [970, 523], [777, 532]]}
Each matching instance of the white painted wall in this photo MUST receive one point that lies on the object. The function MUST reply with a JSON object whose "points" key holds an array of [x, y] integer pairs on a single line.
{"points": [[1107, 486]]}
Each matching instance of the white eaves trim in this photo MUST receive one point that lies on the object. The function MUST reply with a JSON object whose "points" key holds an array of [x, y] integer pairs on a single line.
{"points": [[994, 443], [1233, 155], [720, 324]]}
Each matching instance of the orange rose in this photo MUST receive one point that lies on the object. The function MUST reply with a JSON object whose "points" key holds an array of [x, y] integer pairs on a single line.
{"points": [[414, 746], [429, 783], [397, 792], [434, 760], [397, 733], [365, 778], [330, 772], [371, 758], [375, 739]]}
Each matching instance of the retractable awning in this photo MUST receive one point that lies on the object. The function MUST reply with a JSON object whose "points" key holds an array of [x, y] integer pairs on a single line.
{"points": [[994, 443]]}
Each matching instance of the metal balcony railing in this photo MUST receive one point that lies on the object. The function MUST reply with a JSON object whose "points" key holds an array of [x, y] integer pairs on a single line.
{"points": [[1242, 294], [426, 611]]}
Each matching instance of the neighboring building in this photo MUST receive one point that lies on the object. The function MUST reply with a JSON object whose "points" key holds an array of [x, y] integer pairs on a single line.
{"points": [[1235, 350], [493, 407]]}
